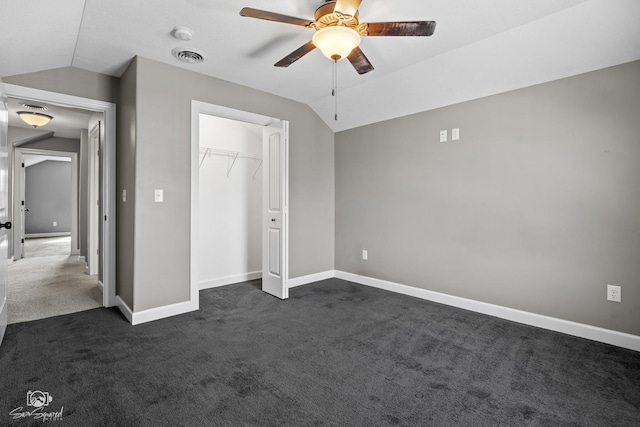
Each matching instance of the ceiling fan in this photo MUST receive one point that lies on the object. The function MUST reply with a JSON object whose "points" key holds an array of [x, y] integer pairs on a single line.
{"points": [[338, 32]]}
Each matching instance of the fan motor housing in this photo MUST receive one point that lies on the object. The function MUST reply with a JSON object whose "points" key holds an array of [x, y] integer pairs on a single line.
{"points": [[325, 17]]}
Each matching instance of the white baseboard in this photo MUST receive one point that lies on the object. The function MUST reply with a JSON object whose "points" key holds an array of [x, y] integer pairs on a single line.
{"points": [[40, 235], [153, 313], [581, 330], [100, 286], [124, 308], [4, 318], [316, 277], [223, 281]]}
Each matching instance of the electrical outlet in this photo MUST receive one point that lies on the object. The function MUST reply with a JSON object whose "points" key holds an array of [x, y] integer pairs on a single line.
{"points": [[443, 136], [55, 224], [614, 293], [365, 254]]}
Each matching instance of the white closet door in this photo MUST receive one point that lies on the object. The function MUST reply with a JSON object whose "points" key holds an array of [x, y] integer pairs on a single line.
{"points": [[275, 210]]}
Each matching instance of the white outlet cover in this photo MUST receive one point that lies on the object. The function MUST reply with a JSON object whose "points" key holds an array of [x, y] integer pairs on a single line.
{"points": [[443, 136], [614, 293], [365, 254]]}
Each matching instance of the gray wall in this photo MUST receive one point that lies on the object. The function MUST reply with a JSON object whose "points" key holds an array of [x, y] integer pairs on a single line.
{"points": [[536, 208], [125, 180], [70, 81], [55, 144], [48, 197], [161, 140]]}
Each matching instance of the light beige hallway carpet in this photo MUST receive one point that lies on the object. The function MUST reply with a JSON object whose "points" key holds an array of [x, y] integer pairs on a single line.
{"points": [[51, 285]]}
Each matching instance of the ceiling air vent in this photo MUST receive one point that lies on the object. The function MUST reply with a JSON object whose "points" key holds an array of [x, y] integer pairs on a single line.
{"points": [[35, 107], [189, 55]]}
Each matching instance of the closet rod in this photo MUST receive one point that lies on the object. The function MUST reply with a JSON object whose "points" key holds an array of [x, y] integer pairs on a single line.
{"points": [[207, 151]]}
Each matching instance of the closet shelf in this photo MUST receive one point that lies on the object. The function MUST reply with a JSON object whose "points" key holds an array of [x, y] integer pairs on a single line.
{"points": [[233, 155]]}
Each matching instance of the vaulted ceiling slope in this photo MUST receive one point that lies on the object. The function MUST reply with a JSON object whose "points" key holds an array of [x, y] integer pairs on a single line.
{"points": [[480, 47]]}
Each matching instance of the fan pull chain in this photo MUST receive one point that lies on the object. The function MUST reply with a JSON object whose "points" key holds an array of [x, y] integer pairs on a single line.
{"points": [[334, 91]]}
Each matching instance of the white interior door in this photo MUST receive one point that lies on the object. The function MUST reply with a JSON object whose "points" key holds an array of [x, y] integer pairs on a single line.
{"points": [[18, 205], [275, 201], [4, 202]]}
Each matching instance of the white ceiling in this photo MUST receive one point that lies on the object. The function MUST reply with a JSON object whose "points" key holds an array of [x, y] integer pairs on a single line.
{"points": [[480, 47]]}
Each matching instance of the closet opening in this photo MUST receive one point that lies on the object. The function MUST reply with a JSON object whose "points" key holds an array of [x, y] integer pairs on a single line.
{"points": [[239, 199], [230, 201]]}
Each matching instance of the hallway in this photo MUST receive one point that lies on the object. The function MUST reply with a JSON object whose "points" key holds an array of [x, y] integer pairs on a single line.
{"points": [[49, 282]]}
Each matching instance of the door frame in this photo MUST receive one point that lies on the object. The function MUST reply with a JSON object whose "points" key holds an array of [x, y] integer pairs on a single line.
{"points": [[19, 194], [5, 235], [197, 108], [93, 211], [108, 159]]}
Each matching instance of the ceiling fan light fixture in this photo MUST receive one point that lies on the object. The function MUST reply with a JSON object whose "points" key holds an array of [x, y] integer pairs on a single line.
{"points": [[336, 42], [34, 119]]}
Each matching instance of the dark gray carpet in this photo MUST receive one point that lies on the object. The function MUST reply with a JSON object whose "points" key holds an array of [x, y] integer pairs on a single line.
{"points": [[335, 354]]}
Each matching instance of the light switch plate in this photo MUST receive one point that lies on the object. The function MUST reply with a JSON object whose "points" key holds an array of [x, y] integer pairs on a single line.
{"points": [[455, 134], [159, 196]]}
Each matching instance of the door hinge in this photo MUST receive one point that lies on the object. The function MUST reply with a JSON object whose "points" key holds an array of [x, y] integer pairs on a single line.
{"points": [[22, 164], [23, 203], [22, 241]]}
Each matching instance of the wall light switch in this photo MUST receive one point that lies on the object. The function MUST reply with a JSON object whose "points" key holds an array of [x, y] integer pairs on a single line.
{"points": [[443, 136], [55, 224], [124, 195], [455, 134], [365, 254], [159, 196]]}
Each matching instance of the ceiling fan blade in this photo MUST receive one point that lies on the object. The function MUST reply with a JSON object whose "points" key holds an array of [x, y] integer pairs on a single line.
{"points": [[276, 17], [359, 61], [412, 28], [295, 55], [347, 7]]}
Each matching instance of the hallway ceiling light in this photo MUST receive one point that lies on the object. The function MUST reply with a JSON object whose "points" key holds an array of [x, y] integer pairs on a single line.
{"points": [[34, 119]]}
